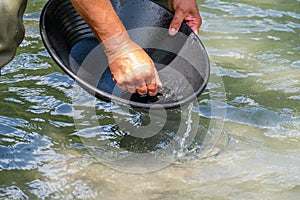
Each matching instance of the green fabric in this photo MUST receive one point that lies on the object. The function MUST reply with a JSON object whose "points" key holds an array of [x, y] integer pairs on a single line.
{"points": [[11, 28]]}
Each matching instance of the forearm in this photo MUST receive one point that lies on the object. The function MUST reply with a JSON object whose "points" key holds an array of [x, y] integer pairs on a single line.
{"points": [[101, 17], [130, 65]]}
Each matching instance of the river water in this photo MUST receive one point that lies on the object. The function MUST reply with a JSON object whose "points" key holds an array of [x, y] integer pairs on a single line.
{"points": [[240, 140]]}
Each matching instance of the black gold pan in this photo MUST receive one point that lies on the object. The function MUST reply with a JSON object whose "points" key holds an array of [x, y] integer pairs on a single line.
{"points": [[181, 60]]}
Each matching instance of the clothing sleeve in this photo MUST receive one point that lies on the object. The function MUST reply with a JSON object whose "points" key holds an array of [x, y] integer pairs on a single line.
{"points": [[11, 28]]}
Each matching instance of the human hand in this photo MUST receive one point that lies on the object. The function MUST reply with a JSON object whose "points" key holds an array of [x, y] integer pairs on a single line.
{"points": [[184, 10], [130, 65]]}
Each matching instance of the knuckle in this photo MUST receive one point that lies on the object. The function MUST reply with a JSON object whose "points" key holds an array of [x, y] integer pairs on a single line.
{"points": [[152, 87], [180, 9]]}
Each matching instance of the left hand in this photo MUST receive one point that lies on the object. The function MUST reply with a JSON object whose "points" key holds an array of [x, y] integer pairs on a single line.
{"points": [[184, 10]]}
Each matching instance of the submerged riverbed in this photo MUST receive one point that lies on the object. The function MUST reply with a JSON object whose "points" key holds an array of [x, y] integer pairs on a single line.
{"points": [[241, 140]]}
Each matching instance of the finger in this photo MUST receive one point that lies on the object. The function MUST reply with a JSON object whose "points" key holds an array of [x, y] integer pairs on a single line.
{"points": [[194, 22], [176, 22], [142, 89], [193, 26], [152, 93], [152, 88]]}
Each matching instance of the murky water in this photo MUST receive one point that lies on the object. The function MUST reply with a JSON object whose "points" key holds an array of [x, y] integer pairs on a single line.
{"points": [[241, 141]]}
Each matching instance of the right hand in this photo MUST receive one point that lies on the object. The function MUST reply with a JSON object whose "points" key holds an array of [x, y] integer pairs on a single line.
{"points": [[131, 67], [184, 10]]}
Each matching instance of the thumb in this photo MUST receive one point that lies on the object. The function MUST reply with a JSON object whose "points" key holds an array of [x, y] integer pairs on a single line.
{"points": [[176, 22]]}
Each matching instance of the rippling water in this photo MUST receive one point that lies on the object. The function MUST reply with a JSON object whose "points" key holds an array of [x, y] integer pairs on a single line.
{"points": [[53, 146]]}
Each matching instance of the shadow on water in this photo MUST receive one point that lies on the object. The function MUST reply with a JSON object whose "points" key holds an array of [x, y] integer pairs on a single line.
{"points": [[132, 138]]}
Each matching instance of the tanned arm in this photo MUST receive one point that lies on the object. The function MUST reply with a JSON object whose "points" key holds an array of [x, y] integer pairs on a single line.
{"points": [[132, 68]]}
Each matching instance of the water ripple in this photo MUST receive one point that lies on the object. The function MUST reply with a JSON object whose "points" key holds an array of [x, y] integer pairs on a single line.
{"points": [[12, 192], [253, 47], [26, 150]]}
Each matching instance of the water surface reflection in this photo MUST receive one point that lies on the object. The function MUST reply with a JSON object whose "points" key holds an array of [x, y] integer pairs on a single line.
{"points": [[253, 47]]}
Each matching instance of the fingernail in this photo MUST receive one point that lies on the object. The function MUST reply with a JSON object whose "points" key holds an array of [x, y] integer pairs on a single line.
{"points": [[172, 31]]}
